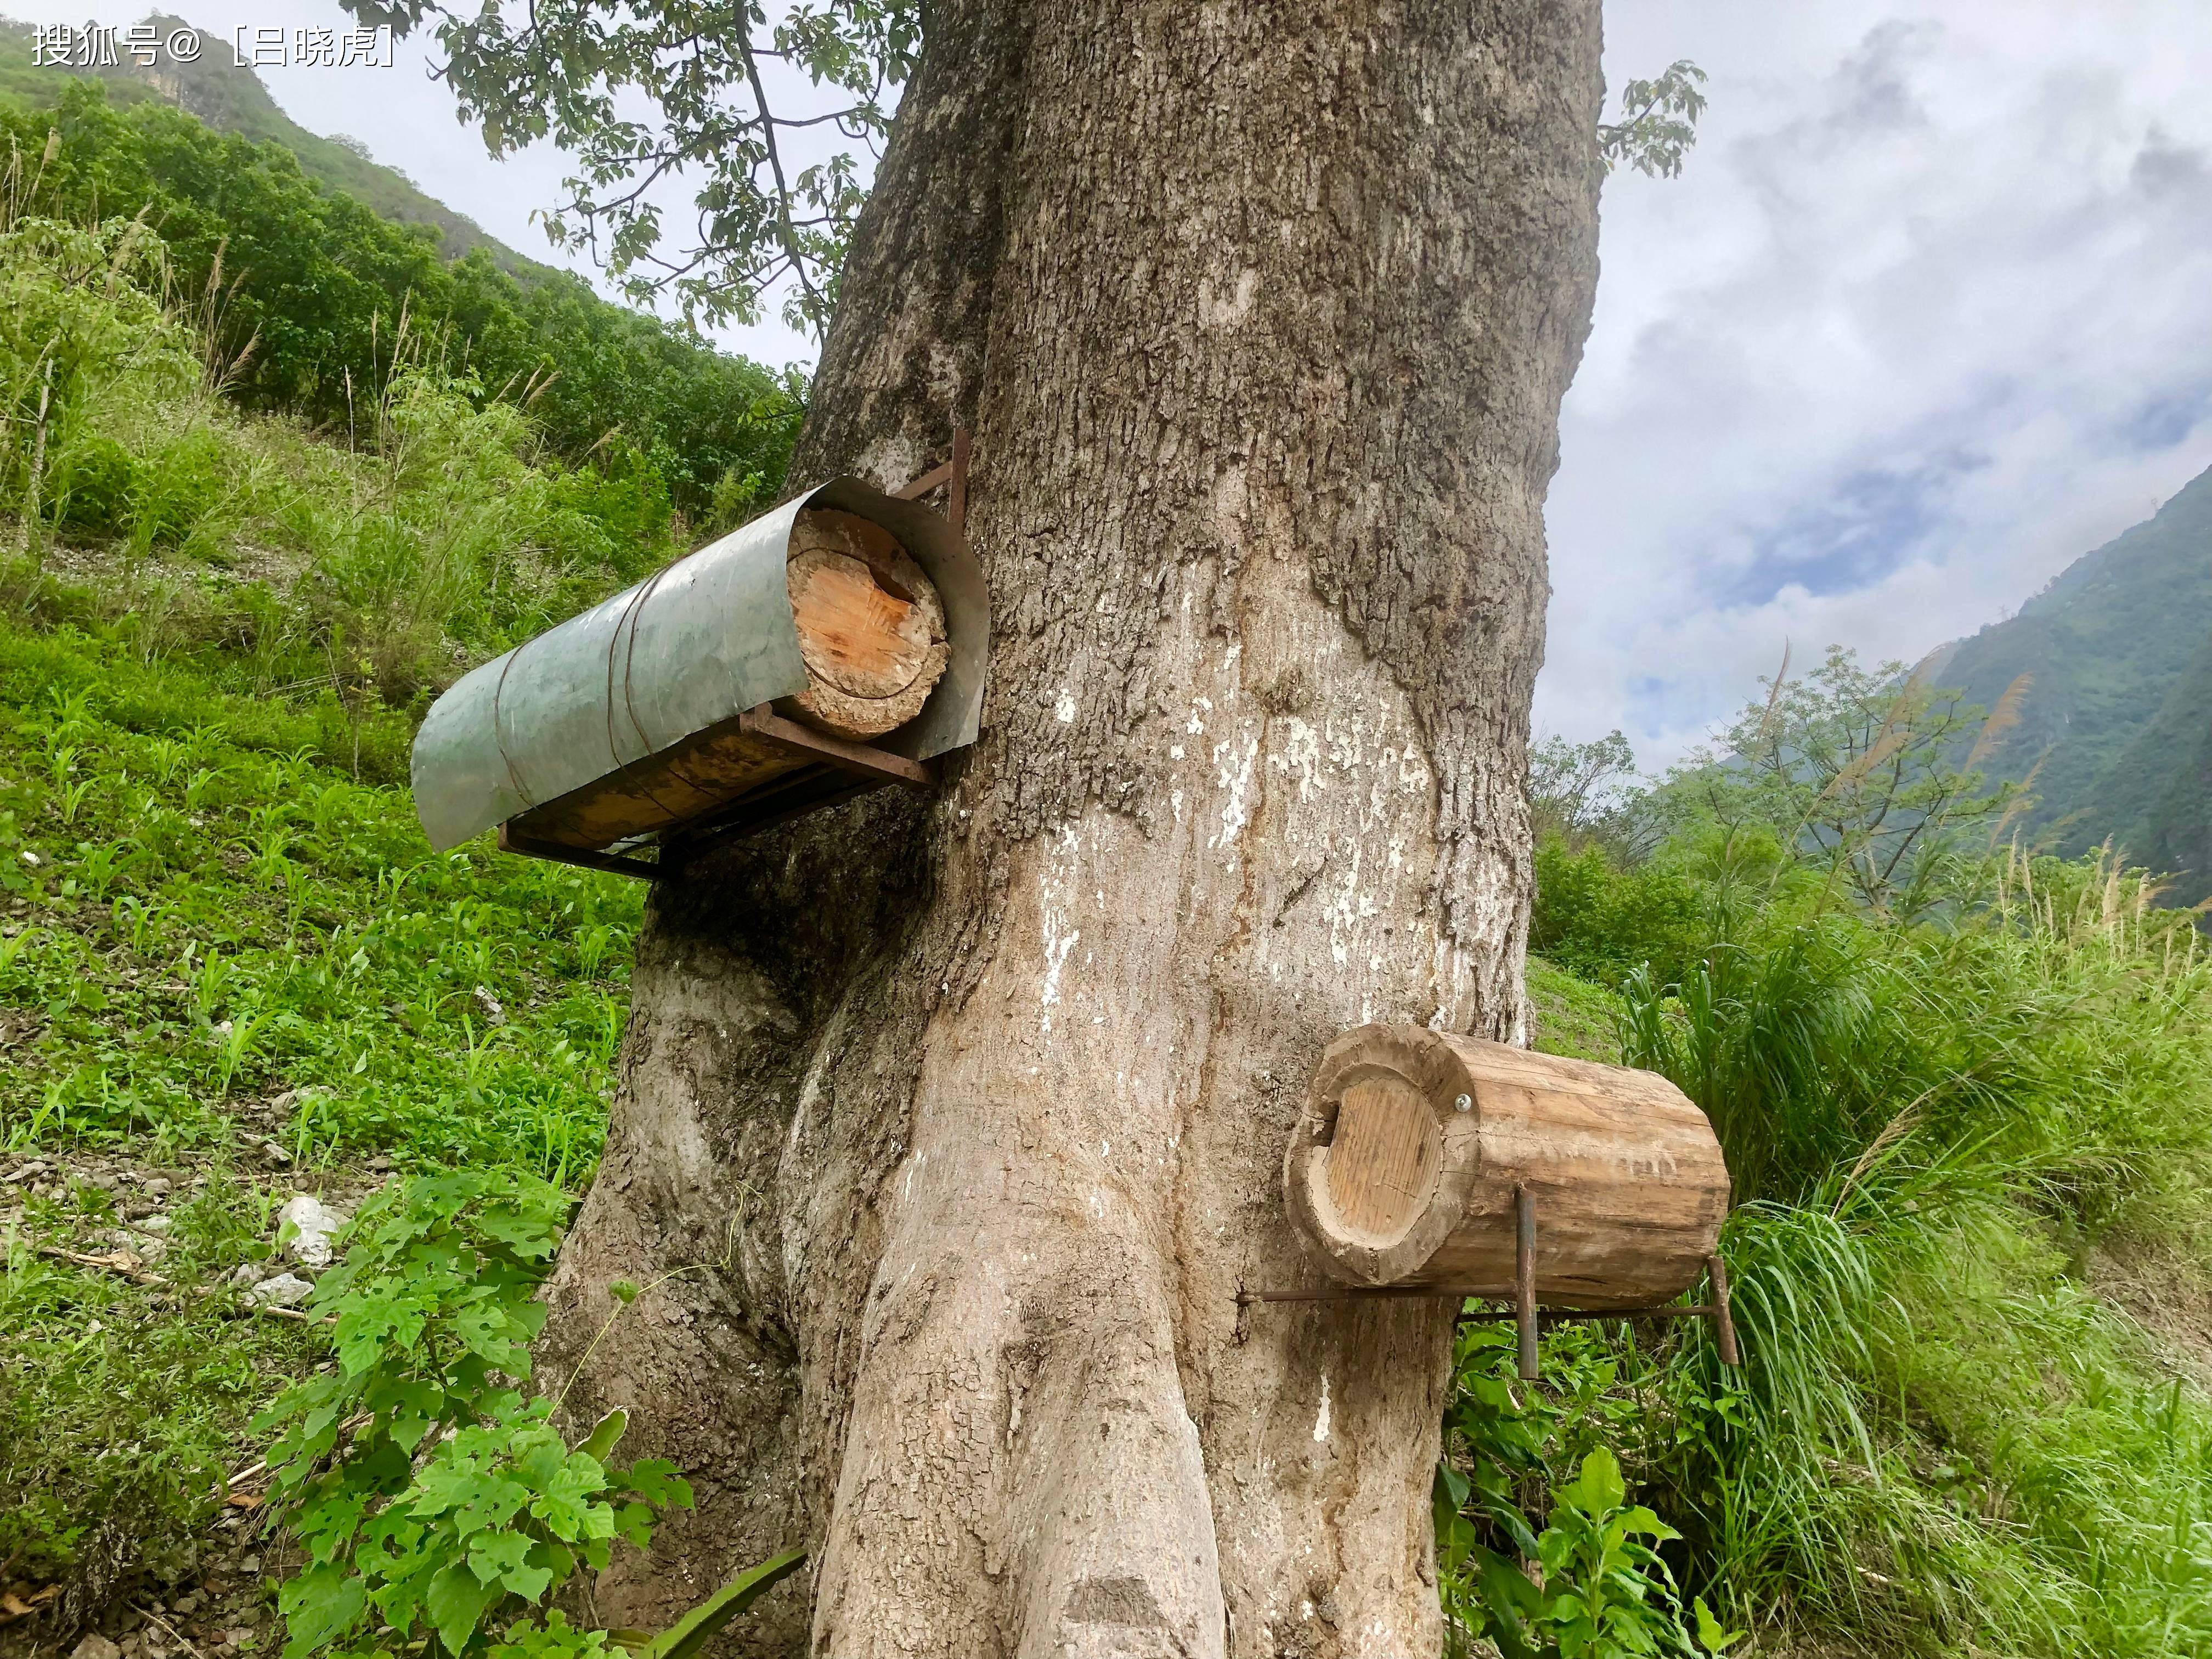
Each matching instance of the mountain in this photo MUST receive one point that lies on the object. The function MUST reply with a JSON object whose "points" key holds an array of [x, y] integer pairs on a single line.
{"points": [[232, 99], [2113, 665]]}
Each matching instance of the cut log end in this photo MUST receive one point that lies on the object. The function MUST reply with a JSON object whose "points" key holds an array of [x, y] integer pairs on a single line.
{"points": [[870, 627], [1416, 1147], [1384, 1159]]}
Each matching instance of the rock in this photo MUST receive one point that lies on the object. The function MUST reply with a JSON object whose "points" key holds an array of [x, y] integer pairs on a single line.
{"points": [[145, 1246], [493, 1014], [285, 1290], [155, 1223], [305, 1229], [272, 1152], [282, 1105], [246, 1273], [96, 1646], [158, 1186]]}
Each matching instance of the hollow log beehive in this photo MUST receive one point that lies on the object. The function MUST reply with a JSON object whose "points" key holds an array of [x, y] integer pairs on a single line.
{"points": [[871, 630], [836, 643], [1404, 1167]]}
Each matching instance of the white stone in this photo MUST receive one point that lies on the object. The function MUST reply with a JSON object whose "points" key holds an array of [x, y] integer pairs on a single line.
{"points": [[96, 1646], [285, 1290], [305, 1229]]}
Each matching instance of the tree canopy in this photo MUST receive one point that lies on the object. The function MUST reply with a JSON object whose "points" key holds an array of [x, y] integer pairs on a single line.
{"points": [[667, 93]]}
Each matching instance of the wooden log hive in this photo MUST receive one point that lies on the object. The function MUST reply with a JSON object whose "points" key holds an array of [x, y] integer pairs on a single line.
{"points": [[872, 633], [1404, 1166], [870, 627]]}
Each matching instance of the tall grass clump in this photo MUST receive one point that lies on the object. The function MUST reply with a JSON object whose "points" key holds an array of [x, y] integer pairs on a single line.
{"points": [[1947, 1077]]}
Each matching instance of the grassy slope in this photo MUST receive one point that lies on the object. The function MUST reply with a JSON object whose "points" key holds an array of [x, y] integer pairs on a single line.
{"points": [[232, 99], [1974, 1417], [1570, 1016], [2159, 787], [2110, 645], [225, 962]]}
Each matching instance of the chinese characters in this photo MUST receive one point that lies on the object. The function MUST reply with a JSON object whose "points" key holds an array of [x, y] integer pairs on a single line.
{"points": [[94, 45]]}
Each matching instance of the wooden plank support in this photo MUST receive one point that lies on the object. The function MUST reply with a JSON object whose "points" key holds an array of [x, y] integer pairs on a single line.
{"points": [[1524, 1278]]}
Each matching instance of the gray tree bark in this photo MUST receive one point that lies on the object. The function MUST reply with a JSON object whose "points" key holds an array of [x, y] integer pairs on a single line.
{"points": [[964, 1117]]}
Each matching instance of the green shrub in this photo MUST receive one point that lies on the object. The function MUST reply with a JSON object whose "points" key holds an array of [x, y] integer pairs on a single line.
{"points": [[92, 487], [317, 282], [433, 1496], [1603, 922]]}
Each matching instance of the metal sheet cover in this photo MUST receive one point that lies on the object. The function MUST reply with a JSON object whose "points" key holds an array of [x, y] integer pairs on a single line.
{"points": [[696, 644]]}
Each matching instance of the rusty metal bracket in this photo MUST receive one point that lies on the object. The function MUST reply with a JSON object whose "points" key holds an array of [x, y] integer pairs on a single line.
{"points": [[584, 857], [1524, 1278], [952, 477], [1525, 1311]]}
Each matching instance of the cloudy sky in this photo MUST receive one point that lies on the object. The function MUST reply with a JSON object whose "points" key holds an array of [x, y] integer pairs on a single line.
{"points": [[1928, 315]]}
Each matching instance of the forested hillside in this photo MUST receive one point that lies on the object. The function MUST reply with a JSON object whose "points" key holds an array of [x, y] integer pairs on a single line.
{"points": [[2106, 672], [231, 99], [304, 285]]}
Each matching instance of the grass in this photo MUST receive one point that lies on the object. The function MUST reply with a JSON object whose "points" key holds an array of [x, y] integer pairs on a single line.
{"points": [[228, 957], [215, 945], [121, 1405], [1570, 1016], [200, 924], [1942, 1442]]}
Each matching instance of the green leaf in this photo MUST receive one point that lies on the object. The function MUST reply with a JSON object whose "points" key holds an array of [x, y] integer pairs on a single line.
{"points": [[456, 1600], [505, 1556], [1513, 1602], [603, 1435], [683, 1638], [1711, 1636], [319, 1606], [1598, 1490], [656, 1481]]}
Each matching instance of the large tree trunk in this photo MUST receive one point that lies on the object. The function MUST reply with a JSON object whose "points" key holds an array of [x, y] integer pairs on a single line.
{"points": [[971, 1112]]}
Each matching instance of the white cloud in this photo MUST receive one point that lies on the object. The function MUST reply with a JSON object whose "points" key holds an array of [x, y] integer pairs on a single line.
{"points": [[1929, 314]]}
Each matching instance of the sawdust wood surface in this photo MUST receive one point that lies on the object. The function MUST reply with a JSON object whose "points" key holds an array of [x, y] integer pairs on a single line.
{"points": [[870, 627]]}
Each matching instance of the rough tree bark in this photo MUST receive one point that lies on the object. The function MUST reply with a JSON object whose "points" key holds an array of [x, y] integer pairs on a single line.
{"points": [[965, 1116]]}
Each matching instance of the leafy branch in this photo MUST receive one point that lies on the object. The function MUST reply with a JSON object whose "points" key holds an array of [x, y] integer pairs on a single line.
{"points": [[1658, 122], [663, 94]]}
